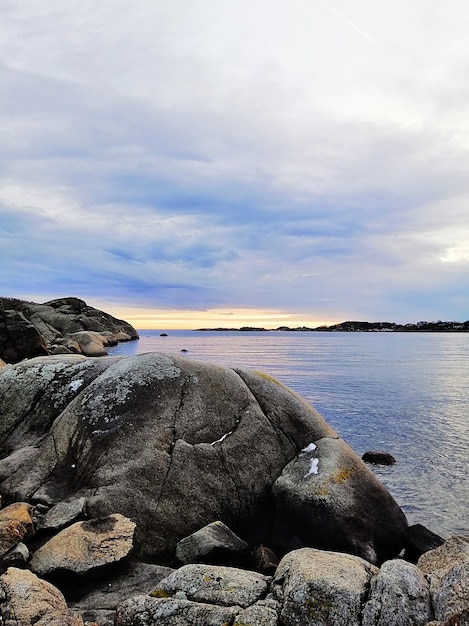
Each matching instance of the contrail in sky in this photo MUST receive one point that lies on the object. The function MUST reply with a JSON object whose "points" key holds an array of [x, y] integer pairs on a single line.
{"points": [[349, 22]]}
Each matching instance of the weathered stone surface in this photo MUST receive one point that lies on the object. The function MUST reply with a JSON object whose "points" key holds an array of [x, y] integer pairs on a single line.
{"points": [[16, 524], [144, 435], [178, 430], [215, 540], [18, 556], [63, 514], [328, 498], [147, 611], [399, 596], [90, 343], [319, 588], [33, 394], [451, 596], [29, 600], [135, 578], [85, 546], [225, 586], [256, 615], [437, 563]]}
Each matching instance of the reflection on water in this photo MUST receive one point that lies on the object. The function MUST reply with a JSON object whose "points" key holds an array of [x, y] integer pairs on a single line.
{"points": [[404, 393]]}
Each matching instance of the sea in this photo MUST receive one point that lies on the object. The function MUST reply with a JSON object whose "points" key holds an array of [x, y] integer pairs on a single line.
{"points": [[404, 393]]}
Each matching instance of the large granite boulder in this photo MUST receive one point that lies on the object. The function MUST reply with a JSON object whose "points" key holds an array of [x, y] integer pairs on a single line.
{"points": [[174, 445], [65, 325], [317, 498]]}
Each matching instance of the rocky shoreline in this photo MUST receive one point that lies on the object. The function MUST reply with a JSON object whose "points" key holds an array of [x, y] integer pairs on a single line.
{"points": [[62, 326], [156, 490]]}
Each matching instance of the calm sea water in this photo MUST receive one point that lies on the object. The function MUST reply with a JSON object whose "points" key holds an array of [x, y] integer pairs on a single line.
{"points": [[406, 393]]}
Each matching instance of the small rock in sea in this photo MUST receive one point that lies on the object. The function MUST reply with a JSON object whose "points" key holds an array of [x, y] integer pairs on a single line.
{"points": [[184, 350], [163, 334], [378, 457]]}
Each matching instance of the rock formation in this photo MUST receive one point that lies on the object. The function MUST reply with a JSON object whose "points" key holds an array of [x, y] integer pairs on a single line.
{"points": [[175, 444], [108, 463], [62, 326]]}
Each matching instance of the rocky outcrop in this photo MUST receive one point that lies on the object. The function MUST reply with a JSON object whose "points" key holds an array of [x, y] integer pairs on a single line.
{"points": [[112, 461], [62, 326], [148, 435], [316, 500]]}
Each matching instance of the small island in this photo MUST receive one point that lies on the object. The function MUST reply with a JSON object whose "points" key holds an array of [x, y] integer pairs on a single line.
{"points": [[363, 327]]}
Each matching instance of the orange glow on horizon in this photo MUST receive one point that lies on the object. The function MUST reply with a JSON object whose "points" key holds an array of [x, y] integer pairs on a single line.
{"points": [[177, 319]]}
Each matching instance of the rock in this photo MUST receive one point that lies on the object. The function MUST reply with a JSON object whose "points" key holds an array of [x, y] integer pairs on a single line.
{"points": [[28, 329], [327, 498], [91, 343], [149, 611], [18, 556], [212, 584], [63, 514], [32, 395], [265, 560], [418, 540], [320, 588], [212, 543], [101, 602], [19, 338], [85, 546], [447, 569], [258, 615], [145, 435], [438, 562], [451, 596], [399, 596], [20, 512], [378, 457], [16, 524], [29, 600]]}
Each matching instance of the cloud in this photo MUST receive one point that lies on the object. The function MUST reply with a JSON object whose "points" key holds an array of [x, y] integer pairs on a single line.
{"points": [[237, 155]]}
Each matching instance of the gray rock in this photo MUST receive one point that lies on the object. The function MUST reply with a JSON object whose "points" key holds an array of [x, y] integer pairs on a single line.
{"points": [[85, 546], [145, 435], [100, 604], [451, 596], [147, 611], [328, 498], [319, 588], [399, 596], [225, 586], [258, 615], [215, 538], [63, 514], [152, 432], [438, 562], [28, 600], [33, 393], [18, 556]]}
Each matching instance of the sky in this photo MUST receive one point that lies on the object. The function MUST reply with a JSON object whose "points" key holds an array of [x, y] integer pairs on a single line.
{"points": [[231, 162]]}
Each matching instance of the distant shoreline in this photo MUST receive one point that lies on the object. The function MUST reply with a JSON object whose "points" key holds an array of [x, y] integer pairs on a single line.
{"points": [[349, 326]]}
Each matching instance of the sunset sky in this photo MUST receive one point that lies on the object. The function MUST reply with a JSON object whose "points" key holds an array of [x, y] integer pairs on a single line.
{"points": [[230, 162]]}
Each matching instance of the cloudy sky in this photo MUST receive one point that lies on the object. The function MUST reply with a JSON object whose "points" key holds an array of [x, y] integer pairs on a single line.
{"points": [[224, 162]]}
